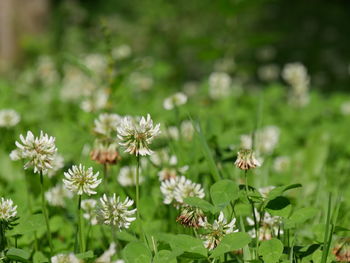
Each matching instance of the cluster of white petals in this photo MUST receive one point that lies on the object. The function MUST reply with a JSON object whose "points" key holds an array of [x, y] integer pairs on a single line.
{"points": [[106, 124], [56, 195], [219, 85], [65, 258], [178, 188], [9, 118], [127, 176], [174, 100], [80, 181], [115, 212], [7, 209], [217, 230], [269, 226], [89, 207], [136, 136], [186, 131], [39, 151], [56, 164]]}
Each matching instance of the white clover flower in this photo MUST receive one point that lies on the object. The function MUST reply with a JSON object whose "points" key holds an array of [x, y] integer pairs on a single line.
{"points": [[281, 164], [96, 63], [127, 176], [163, 158], [116, 213], [106, 257], [121, 52], [187, 130], [219, 85], [57, 194], [106, 124], [65, 258], [190, 88], [96, 101], [7, 209], [186, 188], [264, 191], [269, 72], [246, 160], [79, 181], [39, 151], [89, 207], [269, 225], [345, 108], [266, 140], [57, 164], [217, 230], [173, 133], [174, 100], [141, 81], [16, 155], [137, 136], [46, 70], [178, 188], [9, 118]]}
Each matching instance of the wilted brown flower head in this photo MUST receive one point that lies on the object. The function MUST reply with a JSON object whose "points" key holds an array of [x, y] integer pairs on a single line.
{"points": [[105, 154], [342, 250], [190, 216], [246, 160]]}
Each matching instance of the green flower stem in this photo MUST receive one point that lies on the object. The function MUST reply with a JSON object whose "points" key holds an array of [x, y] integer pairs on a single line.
{"points": [[105, 181], [46, 216], [80, 228], [138, 196]]}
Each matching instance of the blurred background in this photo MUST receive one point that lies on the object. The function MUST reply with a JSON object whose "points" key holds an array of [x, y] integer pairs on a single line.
{"points": [[185, 38]]}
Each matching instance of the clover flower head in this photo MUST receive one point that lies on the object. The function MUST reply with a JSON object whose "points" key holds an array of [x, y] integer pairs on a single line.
{"points": [[137, 136], [295, 74], [65, 258], [178, 188], [341, 250], [105, 153], [127, 176], [115, 212], [89, 207], [9, 118], [190, 216], [246, 160], [97, 100], [219, 85], [80, 180], [56, 164], [174, 100], [57, 194], [39, 151], [269, 225], [217, 230], [8, 210], [106, 257], [106, 124]]}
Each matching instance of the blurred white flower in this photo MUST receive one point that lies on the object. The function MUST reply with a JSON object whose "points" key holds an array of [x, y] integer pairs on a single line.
{"points": [[115, 212], [56, 164], [106, 257], [190, 88], [268, 225], [141, 81], [219, 85], [266, 140], [246, 160], [106, 124], [121, 52], [217, 230], [137, 136], [7, 209], [264, 191], [46, 70], [163, 158], [127, 176], [16, 155], [56, 195], [187, 130], [269, 72], [178, 188], [65, 258], [295, 74], [345, 108], [281, 164], [89, 207], [97, 101], [39, 151], [175, 100], [96, 63], [173, 133], [79, 180], [9, 118]]}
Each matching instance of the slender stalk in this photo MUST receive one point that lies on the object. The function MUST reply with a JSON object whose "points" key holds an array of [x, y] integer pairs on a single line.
{"points": [[46, 216], [80, 228], [327, 233], [105, 181], [138, 196]]}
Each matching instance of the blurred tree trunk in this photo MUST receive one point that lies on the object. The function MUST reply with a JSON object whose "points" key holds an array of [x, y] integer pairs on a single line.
{"points": [[19, 18]]}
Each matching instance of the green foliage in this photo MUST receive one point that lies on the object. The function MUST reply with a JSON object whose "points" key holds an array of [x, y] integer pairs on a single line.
{"points": [[271, 250], [137, 252], [231, 242]]}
